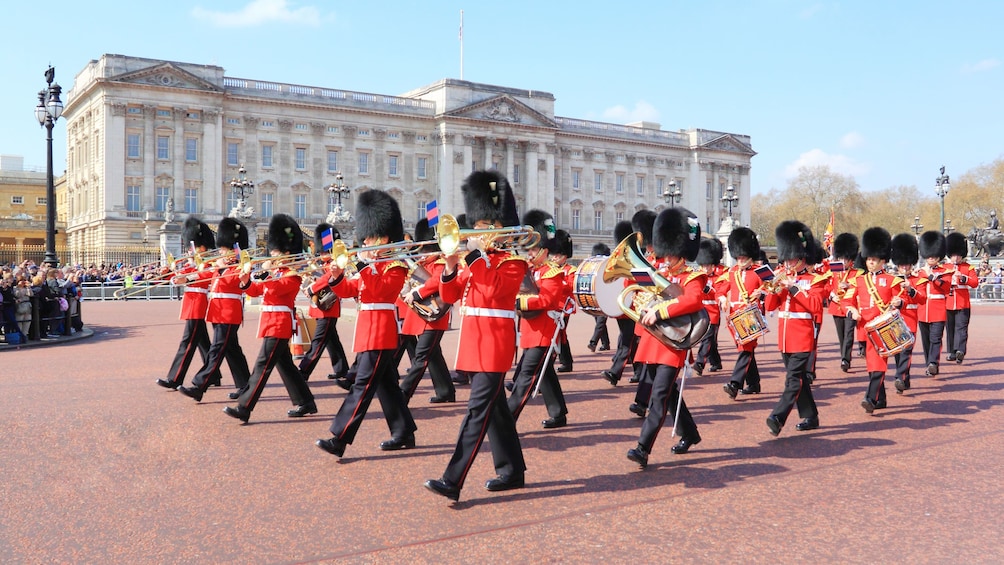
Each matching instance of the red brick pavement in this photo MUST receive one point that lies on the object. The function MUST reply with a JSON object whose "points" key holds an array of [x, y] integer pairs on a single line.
{"points": [[101, 465]]}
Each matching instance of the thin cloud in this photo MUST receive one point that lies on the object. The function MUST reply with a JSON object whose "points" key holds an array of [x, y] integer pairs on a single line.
{"points": [[260, 12], [837, 163], [642, 112], [852, 140], [982, 66], [808, 12]]}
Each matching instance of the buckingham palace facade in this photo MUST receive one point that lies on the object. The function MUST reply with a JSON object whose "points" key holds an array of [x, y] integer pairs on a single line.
{"points": [[147, 137]]}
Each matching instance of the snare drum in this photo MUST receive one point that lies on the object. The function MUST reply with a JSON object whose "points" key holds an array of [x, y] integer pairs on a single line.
{"points": [[594, 296], [889, 334], [747, 324]]}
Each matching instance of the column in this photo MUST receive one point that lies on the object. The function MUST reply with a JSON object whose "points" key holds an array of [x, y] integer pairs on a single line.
{"points": [[534, 199]]}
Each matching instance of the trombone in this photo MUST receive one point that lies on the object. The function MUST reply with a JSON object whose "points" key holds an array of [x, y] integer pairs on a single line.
{"points": [[449, 235]]}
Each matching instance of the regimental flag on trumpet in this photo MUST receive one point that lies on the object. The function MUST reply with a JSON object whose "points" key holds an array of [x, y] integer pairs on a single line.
{"points": [[837, 267], [327, 239], [642, 277], [432, 213], [764, 272]]}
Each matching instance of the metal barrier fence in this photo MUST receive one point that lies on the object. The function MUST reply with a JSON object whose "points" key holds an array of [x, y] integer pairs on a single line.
{"points": [[139, 291], [130, 255]]}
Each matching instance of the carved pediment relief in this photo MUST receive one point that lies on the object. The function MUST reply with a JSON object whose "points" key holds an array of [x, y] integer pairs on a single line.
{"points": [[166, 75], [730, 144], [503, 108]]}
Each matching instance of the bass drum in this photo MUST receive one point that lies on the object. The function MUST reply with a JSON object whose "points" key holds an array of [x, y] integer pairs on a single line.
{"points": [[592, 294]]}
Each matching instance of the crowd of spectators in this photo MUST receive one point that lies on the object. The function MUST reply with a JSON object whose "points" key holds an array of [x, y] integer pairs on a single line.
{"points": [[990, 281], [39, 296]]}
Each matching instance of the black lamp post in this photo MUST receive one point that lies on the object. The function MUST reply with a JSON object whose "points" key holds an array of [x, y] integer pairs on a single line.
{"points": [[672, 194], [337, 190], [49, 109], [730, 198], [243, 187], [941, 187], [917, 227]]}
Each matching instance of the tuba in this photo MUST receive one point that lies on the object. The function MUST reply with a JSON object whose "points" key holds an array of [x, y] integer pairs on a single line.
{"points": [[430, 308], [628, 261]]}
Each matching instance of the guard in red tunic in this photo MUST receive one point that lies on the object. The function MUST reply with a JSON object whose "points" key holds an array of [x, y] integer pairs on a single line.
{"points": [[627, 340], [225, 312], [873, 294], [487, 292], [905, 255], [326, 308], [957, 305], [560, 253], [737, 287], [709, 258], [933, 313], [429, 334], [277, 286], [845, 250], [676, 236], [797, 297], [377, 286], [538, 330], [194, 304]]}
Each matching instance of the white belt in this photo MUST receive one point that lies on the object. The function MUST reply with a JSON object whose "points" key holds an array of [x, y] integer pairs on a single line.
{"points": [[912, 306], [225, 295], [275, 308], [377, 306], [795, 315], [941, 296], [709, 302], [197, 290], [489, 312]]}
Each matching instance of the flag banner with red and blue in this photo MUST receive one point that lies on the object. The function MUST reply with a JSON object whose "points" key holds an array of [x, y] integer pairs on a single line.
{"points": [[327, 239], [432, 213]]}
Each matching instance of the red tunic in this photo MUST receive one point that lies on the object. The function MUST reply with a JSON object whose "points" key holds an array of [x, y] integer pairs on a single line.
{"points": [[964, 279], [797, 311], [488, 288], [839, 283], [226, 298], [912, 303], [375, 289], [195, 301], [650, 349], [277, 302], [736, 285], [710, 296], [938, 286], [413, 323], [320, 283], [887, 287], [554, 292]]}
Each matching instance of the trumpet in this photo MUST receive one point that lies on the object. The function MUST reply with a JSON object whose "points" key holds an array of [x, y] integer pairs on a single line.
{"points": [[449, 235]]}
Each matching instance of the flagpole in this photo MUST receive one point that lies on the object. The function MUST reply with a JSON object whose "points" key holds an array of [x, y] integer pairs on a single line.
{"points": [[461, 45]]}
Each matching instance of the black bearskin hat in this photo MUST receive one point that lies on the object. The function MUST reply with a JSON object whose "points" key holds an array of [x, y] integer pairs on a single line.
{"points": [[642, 222], [541, 222], [743, 243], [488, 196], [956, 244], [676, 233], [285, 235], [794, 241], [565, 239], [932, 244], [876, 242], [462, 222], [319, 233], [378, 215], [231, 231], [859, 262], [425, 233], [622, 230], [602, 249], [196, 232], [845, 246], [904, 250], [817, 254], [711, 252]]}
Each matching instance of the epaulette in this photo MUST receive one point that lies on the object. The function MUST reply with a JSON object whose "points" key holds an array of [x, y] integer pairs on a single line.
{"points": [[553, 271], [822, 277], [693, 274], [396, 263], [513, 257], [722, 277]]}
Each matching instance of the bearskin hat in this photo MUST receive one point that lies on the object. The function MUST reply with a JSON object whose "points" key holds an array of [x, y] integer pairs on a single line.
{"points": [[567, 246], [642, 222], [676, 233], [462, 222], [794, 241], [956, 244], [196, 232], [845, 246], [876, 242], [602, 249], [319, 234], [425, 233], [711, 252], [932, 244], [284, 235], [817, 254], [904, 249], [541, 222], [621, 231], [744, 243], [230, 232], [859, 262], [378, 215], [488, 196]]}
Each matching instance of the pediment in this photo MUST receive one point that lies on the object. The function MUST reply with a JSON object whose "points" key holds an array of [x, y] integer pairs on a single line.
{"points": [[729, 143], [503, 108], [166, 75]]}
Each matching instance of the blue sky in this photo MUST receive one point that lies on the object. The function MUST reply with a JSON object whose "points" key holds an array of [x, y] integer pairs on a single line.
{"points": [[884, 91]]}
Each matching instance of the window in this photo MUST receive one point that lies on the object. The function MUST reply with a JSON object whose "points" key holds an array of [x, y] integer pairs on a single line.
{"points": [[231, 201], [267, 124], [41, 200], [163, 113], [191, 150], [266, 156], [301, 158], [423, 164], [598, 182], [132, 146], [300, 206], [332, 161], [234, 121], [364, 163], [132, 198], [301, 127], [160, 199], [640, 185], [495, 165], [332, 129], [233, 159], [420, 211], [620, 183], [191, 201], [17, 199], [659, 186], [515, 174], [266, 204], [575, 178], [598, 220], [163, 147], [575, 219], [192, 115], [707, 190], [392, 165], [421, 138], [618, 216], [134, 110]]}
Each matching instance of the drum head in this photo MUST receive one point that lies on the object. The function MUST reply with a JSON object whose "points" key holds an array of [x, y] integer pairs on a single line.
{"points": [[594, 296]]}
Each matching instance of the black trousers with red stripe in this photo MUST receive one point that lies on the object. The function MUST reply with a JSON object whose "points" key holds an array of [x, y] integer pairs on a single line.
{"points": [[376, 375], [275, 354], [662, 404], [487, 414], [429, 355], [533, 366], [797, 389], [325, 338], [195, 338], [225, 346], [627, 344]]}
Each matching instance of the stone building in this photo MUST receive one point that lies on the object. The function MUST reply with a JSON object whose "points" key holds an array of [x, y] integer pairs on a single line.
{"points": [[23, 207], [143, 133]]}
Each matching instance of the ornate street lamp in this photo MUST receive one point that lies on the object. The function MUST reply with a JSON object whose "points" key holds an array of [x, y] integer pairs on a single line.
{"points": [[941, 187], [672, 193], [917, 227], [49, 109], [730, 198], [336, 191], [243, 188]]}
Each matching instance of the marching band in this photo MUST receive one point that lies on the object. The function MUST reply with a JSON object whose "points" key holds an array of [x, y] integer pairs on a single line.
{"points": [[506, 280]]}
